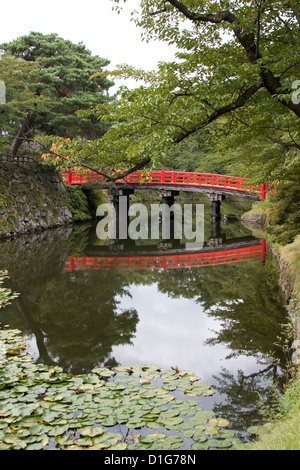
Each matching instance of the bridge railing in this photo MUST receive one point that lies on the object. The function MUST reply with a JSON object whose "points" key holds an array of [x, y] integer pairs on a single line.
{"points": [[189, 179], [164, 262], [180, 178]]}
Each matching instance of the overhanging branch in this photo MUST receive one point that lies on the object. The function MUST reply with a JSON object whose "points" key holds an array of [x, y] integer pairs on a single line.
{"points": [[238, 103], [246, 38]]}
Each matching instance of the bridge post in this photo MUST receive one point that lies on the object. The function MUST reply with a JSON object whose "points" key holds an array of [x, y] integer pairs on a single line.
{"points": [[121, 211], [263, 191], [216, 200], [167, 201], [69, 176], [216, 238], [263, 250], [167, 196]]}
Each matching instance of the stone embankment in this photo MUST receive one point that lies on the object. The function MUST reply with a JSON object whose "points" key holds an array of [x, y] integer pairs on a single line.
{"points": [[32, 198], [257, 220]]}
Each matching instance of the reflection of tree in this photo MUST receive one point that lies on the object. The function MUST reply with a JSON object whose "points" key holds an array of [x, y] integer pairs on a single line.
{"points": [[75, 318], [245, 297], [243, 394], [247, 301], [81, 319]]}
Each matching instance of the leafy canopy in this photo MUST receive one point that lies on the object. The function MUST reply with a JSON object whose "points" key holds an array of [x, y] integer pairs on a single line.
{"points": [[234, 73], [48, 78]]}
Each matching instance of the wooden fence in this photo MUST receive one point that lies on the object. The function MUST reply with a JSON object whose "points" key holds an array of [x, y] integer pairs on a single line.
{"points": [[5, 158]]}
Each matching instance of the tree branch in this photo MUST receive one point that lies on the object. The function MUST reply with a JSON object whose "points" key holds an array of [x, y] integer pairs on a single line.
{"points": [[108, 177], [288, 68], [285, 145], [246, 38], [224, 15], [238, 103]]}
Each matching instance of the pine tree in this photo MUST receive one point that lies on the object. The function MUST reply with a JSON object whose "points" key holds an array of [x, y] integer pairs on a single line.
{"points": [[59, 84]]}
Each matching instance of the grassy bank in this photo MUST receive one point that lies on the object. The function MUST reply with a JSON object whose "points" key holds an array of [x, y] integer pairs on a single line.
{"points": [[283, 431]]}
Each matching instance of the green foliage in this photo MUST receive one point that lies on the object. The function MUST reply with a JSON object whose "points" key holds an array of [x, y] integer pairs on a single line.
{"points": [[6, 295], [282, 431], [284, 213], [230, 84], [20, 78], [50, 77], [78, 204]]}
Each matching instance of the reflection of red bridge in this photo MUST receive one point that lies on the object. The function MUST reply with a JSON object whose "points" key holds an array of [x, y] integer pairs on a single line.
{"points": [[170, 261], [185, 181]]}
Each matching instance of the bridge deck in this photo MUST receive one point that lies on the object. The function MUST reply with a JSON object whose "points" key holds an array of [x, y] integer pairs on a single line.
{"points": [[172, 180]]}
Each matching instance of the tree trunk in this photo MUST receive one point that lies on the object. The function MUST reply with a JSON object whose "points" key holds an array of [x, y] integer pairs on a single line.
{"points": [[26, 126]]}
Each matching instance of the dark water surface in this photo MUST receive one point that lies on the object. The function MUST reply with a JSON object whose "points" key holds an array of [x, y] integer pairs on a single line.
{"points": [[221, 321]]}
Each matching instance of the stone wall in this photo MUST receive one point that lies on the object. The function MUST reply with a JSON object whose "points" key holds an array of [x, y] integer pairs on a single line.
{"points": [[32, 198], [256, 220]]}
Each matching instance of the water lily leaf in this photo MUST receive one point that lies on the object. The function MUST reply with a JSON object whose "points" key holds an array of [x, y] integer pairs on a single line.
{"points": [[91, 431], [201, 417], [259, 430], [226, 433], [200, 446], [148, 393], [153, 425], [36, 446], [171, 421], [109, 421], [101, 445], [175, 441], [135, 424], [123, 369], [15, 412], [169, 387], [58, 430], [188, 433], [105, 411], [122, 417], [36, 430], [212, 430], [161, 445], [119, 446], [20, 389], [136, 446], [220, 422], [64, 440], [219, 444], [4, 446], [144, 382], [84, 442], [170, 413], [199, 437], [103, 371], [49, 398], [49, 416]]}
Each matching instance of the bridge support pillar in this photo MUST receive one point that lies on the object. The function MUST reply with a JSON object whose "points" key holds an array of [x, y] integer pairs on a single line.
{"points": [[216, 200], [167, 199], [216, 237], [121, 210]]}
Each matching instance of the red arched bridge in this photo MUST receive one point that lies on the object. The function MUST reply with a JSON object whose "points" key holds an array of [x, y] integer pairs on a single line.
{"points": [[169, 261], [174, 180]]}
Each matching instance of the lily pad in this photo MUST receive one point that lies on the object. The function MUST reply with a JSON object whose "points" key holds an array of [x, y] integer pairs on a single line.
{"points": [[220, 422], [91, 431], [43, 406], [258, 430], [219, 443]]}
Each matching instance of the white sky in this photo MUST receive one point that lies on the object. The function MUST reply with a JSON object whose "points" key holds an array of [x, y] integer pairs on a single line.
{"points": [[102, 31]]}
